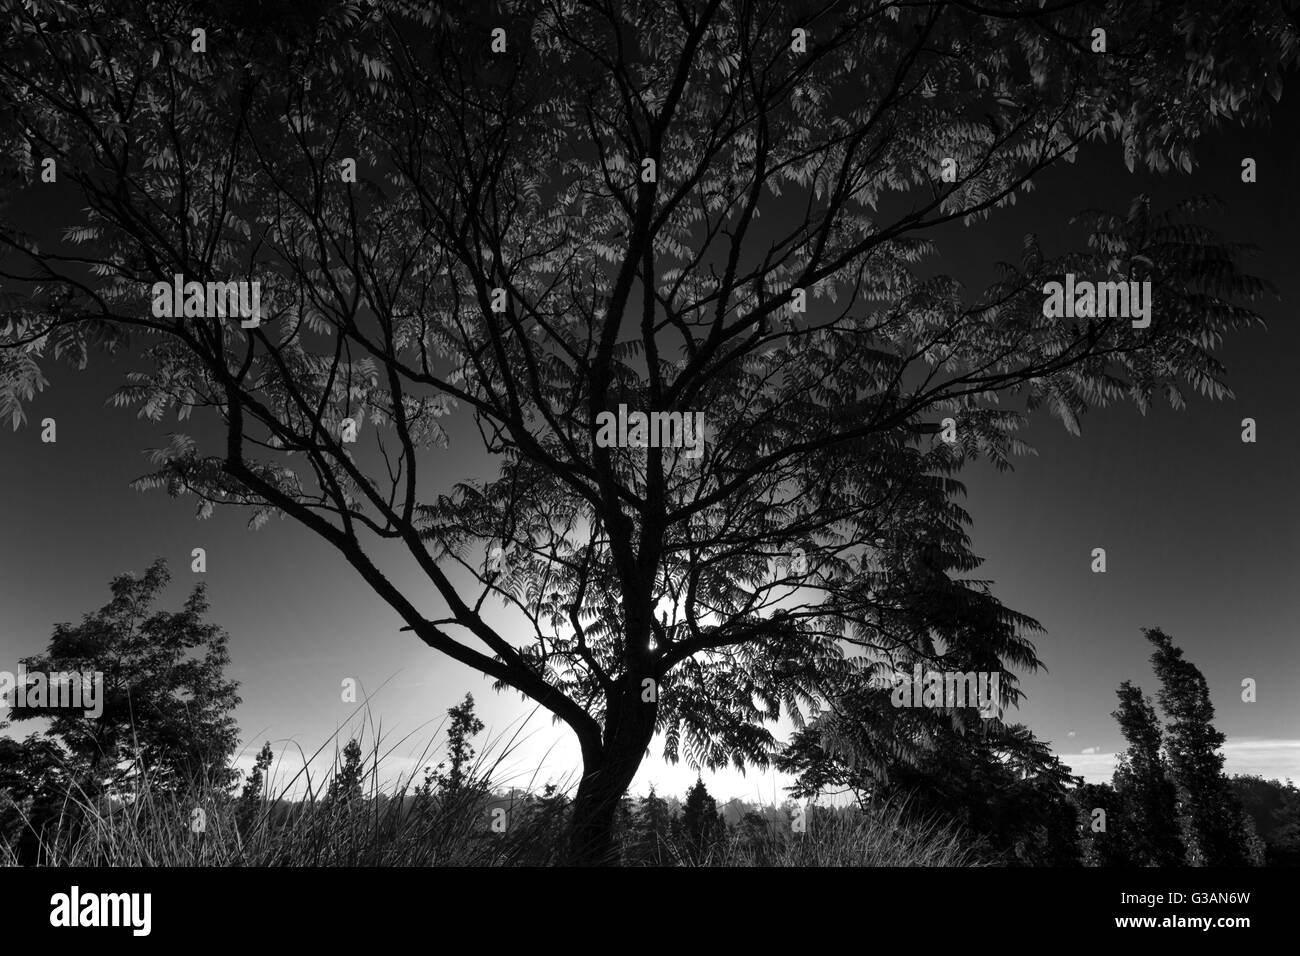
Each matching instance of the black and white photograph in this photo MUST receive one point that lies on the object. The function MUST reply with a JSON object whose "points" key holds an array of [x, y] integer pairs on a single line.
{"points": [[616, 437]]}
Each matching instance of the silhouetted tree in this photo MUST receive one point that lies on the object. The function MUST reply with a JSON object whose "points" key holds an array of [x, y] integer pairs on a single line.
{"points": [[625, 829], [249, 804], [754, 837], [38, 795], [167, 706], [1147, 810], [1004, 787], [462, 725], [702, 828], [653, 831], [1101, 839], [537, 824], [679, 209], [345, 787], [1274, 808], [1216, 831]]}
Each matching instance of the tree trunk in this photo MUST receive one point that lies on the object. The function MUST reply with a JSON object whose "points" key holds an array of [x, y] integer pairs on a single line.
{"points": [[591, 828], [607, 772]]}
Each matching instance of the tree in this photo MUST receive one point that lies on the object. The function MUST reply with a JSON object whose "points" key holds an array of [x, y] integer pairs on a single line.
{"points": [[652, 830], [166, 704], [460, 752], [702, 828], [1274, 808], [35, 795], [1102, 843], [999, 783], [714, 212], [1216, 830], [345, 787], [1170, 802], [249, 805], [625, 828], [755, 836], [994, 779], [1146, 811], [452, 782]]}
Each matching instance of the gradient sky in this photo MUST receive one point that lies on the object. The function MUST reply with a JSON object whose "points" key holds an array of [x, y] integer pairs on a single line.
{"points": [[1198, 529]]}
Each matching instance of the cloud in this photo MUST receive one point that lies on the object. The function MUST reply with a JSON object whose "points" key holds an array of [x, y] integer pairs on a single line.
{"points": [[1092, 767], [1272, 759], [1276, 759]]}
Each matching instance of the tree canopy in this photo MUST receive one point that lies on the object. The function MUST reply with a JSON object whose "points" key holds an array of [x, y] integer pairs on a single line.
{"points": [[167, 706]]}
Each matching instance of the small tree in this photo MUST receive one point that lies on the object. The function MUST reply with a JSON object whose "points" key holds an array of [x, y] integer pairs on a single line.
{"points": [[166, 703], [345, 788], [754, 836], [249, 803], [625, 828], [460, 752], [653, 830], [34, 794], [998, 782], [702, 828]]}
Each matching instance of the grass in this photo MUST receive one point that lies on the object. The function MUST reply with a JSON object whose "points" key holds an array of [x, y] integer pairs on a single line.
{"points": [[297, 822]]}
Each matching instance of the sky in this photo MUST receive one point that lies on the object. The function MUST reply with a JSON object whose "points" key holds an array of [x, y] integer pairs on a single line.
{"points": [[1197, 525]]}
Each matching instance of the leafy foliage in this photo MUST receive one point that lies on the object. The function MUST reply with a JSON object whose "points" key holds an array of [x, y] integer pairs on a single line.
{"points": [[251, 798], [166, 703], [1169, 802], [1145, 814], [1216, 831], [453, 774], [702, 828], [34, 782], [345, 787], [1003, 789], [1274, 809]]}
